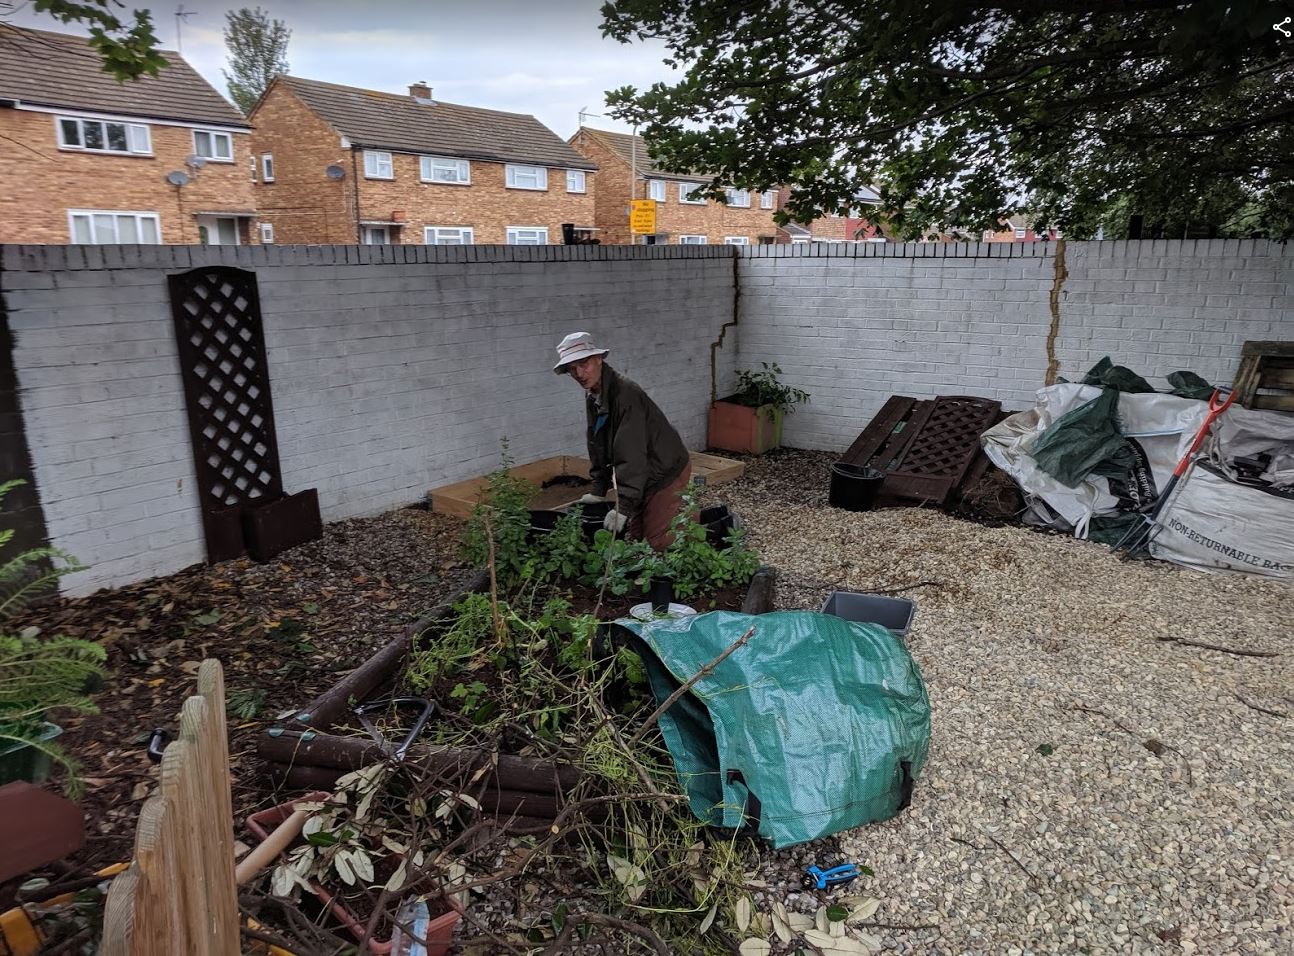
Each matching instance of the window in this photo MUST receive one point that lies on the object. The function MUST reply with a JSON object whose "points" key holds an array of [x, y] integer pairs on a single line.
{"points": [[100, 136], [767, 198], [267, 232], [448, 235], [656, 190], [691, 240], [575, 180], [736, 241], [737, 197], [378, 165], [527, 236], [212, 145], [1019, 233], [527, 177], [438, 169], [377, 235], [218, 230], [97, 227], [267, 167], [685, 191]]}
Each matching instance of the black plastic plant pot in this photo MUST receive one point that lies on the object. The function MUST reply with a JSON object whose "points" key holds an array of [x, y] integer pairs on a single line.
{"points": [[661, 594], [592, 516], [853, 487], [718, 522], [541, 523]]}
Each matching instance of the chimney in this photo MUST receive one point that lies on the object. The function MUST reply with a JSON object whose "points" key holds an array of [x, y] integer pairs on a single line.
{"points": [[420, 92]]}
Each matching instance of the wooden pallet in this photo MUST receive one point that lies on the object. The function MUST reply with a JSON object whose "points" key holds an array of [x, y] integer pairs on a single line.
{"points": [[461, 497], [1266, 376], [927, 449]]}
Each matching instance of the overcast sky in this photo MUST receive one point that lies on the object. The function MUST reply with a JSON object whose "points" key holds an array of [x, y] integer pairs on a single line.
{"points": [[544, 57]]}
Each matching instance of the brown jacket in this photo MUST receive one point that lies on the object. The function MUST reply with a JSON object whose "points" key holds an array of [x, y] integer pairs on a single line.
{"points": [[635, 438]]}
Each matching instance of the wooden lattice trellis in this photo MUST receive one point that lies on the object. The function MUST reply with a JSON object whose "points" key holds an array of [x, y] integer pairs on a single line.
{"points": [[231, 416]]}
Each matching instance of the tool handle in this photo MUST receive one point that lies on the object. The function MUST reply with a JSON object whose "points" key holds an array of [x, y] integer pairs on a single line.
{"points": [[277, 841], [1215, 409]]}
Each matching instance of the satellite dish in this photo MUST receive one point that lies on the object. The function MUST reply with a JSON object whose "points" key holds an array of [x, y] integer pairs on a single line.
{"points": [[195, 161], [177, 177], [334, 172]]}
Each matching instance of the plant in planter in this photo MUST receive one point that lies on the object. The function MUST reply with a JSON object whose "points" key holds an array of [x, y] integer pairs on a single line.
{"points": [[38, 674], [750, 420]]}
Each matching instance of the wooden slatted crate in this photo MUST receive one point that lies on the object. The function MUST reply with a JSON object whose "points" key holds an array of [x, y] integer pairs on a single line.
{"points": [[1266, 376]]}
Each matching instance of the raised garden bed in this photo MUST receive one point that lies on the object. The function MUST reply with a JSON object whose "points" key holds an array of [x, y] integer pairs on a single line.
{"points": [[552, 475]]}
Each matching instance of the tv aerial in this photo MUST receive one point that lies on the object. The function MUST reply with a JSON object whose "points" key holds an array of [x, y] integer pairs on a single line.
{"points": [[177, 177], [334, 172]]}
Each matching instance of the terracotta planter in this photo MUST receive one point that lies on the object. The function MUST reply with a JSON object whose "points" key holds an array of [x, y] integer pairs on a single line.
{"points": [[440, 931], [741, 428]]}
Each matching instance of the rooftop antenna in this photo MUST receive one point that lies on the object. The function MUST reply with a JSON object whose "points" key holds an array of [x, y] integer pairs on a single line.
{"points": [[585, 114], [180, 15]]}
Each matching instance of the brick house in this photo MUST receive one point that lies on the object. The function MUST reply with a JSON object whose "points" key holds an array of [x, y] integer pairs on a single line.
{"points": [[1018, 229], [85, 159], [344, 165], [850, 227], [745, 219]]}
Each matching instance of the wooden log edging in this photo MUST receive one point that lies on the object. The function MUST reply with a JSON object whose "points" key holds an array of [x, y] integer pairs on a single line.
{"points": [[762, 593]]}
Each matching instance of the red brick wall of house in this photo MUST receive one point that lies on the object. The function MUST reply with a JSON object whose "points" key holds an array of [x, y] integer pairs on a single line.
{"points": [[714, 220], [42, 182], [307, 207]]}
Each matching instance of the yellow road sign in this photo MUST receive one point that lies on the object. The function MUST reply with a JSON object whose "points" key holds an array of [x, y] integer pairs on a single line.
{"points": [[642, 217]]}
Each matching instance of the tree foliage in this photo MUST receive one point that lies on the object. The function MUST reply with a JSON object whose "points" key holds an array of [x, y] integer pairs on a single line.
{"points": [[128, 51], [258, 49], [962, 112]]}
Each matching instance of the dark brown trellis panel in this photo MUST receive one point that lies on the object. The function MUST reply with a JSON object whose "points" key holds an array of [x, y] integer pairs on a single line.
{"points": [[231, 418]]}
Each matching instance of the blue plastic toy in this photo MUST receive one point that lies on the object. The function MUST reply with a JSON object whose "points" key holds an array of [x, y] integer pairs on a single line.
{"points": [[816, 878]]}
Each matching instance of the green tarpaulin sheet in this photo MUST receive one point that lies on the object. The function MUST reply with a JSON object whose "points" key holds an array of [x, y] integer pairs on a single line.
{"points": [[815, 725]]}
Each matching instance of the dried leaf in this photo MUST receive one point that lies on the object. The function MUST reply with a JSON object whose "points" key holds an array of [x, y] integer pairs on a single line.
{"points": [[754, 947], [341, 862], [781, 925], [743, 914], [629, 875], [709, 919], [833, 946], [362, 864], [396, 882], [864, 910], [820, 920], [799, 922]]}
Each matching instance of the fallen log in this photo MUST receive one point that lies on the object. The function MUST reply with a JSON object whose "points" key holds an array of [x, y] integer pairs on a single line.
{"points": [[762, 592]]}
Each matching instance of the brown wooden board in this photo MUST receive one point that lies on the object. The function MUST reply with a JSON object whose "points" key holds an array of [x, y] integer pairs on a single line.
{"points": [[1265, 379], [878, 430], [36, 828]]}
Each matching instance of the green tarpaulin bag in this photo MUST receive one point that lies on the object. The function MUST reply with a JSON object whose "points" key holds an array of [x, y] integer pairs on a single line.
{"points": [[815, 725]]}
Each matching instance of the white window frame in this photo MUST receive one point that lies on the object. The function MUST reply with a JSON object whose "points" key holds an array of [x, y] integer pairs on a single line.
{"points": [[692, 241], [369, 232], [431, 235], [139, 138], [684, 192], [1020, 233], [117, 214], [214, 136], [267, 167], [460, 175], [576, 176], [515, 233], [267, 233], [516, 173], [767, 198], [736, 240], [656, 189], [374, 164], [739, 198]]}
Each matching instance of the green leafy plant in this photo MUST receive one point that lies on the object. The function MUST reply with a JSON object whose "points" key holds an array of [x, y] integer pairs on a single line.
{"points": [[500, 524], [692, 562], [245, 703], [763, 388], [39, 674]]}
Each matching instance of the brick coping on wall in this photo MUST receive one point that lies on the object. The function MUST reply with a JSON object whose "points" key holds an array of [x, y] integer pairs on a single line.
{"points": [[25, 258]]}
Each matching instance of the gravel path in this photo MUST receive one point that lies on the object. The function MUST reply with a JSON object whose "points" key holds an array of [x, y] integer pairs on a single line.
{"points": [[1094, 785]]}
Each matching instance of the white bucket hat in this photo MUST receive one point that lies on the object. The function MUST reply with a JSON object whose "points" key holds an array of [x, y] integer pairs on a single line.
{"points": [[576, 346]]}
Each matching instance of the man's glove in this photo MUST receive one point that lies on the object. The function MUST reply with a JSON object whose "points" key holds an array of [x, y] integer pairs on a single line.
{"points": [[615, 521], [592, 500]]}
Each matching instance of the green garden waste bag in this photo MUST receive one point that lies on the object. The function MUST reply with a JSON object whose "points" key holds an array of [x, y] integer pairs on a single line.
{"points": [[815, 725]]}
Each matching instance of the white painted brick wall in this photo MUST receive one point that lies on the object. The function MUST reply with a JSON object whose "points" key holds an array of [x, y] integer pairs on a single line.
{"points": [[393, 370], [855, 324]]}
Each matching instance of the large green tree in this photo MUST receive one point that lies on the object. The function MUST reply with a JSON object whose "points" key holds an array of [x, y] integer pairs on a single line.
{"points": [[961, 112], [128, 50], [258, 48]]}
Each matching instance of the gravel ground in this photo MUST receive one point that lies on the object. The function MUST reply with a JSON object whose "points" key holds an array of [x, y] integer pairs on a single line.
{"points": [[1094, 784]]}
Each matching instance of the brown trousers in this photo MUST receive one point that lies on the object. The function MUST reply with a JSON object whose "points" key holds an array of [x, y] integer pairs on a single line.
{"points": [[659, 510]]}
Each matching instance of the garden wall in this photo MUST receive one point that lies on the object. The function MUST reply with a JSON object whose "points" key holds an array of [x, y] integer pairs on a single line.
{"points": [[393, 370], [855, 324]]}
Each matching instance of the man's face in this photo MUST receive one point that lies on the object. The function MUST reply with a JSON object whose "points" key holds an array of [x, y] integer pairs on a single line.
{"points": [[587, 371]]}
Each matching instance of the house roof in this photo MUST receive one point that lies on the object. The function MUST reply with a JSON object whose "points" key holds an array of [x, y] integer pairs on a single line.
{"points": [[398, 122], [625, 146], [59, 70]]}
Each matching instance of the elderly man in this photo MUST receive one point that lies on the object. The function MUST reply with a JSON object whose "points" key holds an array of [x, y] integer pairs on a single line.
{"points": [[630, 436]]}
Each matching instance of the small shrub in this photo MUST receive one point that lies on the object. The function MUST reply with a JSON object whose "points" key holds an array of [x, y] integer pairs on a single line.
{"points": [[763, 387]]}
